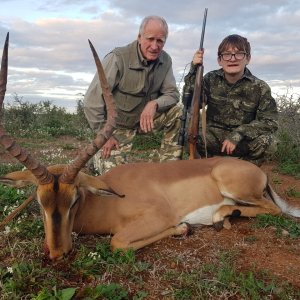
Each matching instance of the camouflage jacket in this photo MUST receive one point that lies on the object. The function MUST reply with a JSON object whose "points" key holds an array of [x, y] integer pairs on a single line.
{"points": [[244, 109]]}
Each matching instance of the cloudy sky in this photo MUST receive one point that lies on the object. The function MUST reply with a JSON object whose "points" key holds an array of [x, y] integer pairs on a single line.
{"points": [[50, 59]]}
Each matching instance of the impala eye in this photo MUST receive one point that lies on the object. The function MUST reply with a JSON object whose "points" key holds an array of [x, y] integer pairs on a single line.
{"points": [[76, 200], [74, 203]]}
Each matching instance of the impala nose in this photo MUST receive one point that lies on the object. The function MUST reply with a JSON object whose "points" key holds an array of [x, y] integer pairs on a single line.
{"points": [[56, 257]]}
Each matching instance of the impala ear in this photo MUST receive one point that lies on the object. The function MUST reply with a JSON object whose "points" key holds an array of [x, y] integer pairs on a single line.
{"points": [[19, 179], [95, 185]]}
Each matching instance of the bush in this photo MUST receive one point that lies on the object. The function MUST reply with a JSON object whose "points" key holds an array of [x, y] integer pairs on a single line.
{"points": [[43, 119], [288, 151]]}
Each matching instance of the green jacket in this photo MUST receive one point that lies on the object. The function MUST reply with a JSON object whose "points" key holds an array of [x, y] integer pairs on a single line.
{"points": [[133, 82], [244, 109]]}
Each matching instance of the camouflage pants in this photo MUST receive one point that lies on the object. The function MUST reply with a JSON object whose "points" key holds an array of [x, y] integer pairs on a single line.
{"points": [[253, 150], [168, 122]]}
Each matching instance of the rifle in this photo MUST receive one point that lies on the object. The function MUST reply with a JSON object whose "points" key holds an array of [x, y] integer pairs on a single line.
{"points": [[193, 101], [198, 96], [186, 100]]}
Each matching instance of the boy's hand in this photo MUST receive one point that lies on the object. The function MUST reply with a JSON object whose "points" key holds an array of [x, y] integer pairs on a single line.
{"points": [[198, 57], [228, 147]]}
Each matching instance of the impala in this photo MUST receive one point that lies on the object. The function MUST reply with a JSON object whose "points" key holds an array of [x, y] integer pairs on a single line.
{"points": [[137, 203]]}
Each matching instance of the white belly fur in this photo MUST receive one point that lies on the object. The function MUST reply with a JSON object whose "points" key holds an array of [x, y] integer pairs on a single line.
{"points": [[205, 214]]}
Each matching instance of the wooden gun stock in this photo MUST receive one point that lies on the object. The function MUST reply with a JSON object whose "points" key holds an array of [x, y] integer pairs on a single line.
{"points": [[198, 97], [195, 109]]}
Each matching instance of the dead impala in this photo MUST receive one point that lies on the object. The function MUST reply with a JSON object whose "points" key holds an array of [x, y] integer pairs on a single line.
{"points": [[147, 201]]}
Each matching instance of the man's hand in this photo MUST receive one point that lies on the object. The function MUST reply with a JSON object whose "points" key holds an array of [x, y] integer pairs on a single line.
{"points": [[111, 144], [147, 116], [198, 57], [228, 147]]}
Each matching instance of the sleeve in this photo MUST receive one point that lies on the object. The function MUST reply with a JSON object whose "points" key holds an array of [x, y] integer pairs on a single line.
{"points": [[94, 105], [169, 92], [189, 80], [266, 121]]}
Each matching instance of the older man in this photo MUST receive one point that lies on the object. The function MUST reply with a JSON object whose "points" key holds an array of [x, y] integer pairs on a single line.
{"points": [[141, 79]]}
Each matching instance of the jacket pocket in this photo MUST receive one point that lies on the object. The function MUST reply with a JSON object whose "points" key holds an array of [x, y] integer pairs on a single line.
{"points": [[128, 102]]}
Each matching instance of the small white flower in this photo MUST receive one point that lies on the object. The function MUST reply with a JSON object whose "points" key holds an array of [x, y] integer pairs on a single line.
{"points": [[9, 270], [7, 230]]}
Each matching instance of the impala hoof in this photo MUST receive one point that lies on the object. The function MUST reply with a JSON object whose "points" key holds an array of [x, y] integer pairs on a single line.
{"points": [[219, 225], [188, 230], [227, 224], [183, 230]]}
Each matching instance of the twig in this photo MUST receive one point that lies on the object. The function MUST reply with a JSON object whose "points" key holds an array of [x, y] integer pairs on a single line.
{"points": [[17, 211]]}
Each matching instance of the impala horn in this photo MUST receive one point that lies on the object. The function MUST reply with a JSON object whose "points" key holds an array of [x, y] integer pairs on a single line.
{"points": [[38, 170], [71, 170]]}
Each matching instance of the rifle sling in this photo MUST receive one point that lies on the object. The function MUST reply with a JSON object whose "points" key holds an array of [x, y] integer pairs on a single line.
{"points": [[203, 123]]}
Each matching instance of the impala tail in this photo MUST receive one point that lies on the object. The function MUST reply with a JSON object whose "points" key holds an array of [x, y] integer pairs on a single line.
{"points": [[285, 207]]}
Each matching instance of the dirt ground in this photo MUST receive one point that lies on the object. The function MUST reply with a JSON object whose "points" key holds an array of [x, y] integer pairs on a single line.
{"points": [[260, 249]]}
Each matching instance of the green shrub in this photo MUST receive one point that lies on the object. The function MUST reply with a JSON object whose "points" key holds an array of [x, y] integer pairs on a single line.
{"points": [[288, 150], [43, 119]]}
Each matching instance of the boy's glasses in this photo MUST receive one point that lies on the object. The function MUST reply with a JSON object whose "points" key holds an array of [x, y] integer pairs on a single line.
{"points": [[237, 56]]}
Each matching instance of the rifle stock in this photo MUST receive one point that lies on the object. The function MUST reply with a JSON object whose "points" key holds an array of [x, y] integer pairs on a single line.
{"points": [[195, 109], [198, 97]]}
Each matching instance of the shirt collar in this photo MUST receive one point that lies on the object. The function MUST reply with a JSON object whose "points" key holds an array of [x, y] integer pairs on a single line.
{"points": [[247, 74], [140, 56]]}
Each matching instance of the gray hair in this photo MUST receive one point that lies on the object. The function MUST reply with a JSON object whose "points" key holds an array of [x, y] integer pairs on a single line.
{"points": [[146, 20]]}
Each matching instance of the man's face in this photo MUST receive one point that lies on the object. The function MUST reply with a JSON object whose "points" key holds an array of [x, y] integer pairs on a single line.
{"points": [[152, 40], [233, 64]]}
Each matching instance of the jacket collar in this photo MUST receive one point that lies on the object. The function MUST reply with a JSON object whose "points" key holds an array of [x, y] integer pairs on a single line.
{"points": [[247, 74], [137, 61]]}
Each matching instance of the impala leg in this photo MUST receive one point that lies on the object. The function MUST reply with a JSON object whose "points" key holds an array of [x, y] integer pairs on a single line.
{"points": [[261, 206], [136, 236], [226, 223]]}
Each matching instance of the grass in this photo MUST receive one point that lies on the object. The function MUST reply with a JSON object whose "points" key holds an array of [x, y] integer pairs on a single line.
{"points": [[10, 167], [280, 223], [147, 142], [101, 269], [290, 168], [293, 192], [221, 280]]}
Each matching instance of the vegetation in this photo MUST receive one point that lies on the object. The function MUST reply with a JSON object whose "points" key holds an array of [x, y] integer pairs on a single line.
{"points": [[92, 271], [44, 120], [288, 152]]}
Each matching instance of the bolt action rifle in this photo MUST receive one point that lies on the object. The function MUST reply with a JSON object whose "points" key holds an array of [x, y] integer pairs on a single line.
{"points": [[192, 103]]}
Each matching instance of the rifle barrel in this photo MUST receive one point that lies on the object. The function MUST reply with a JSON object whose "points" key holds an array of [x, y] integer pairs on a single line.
{"points": [[203, 28]]}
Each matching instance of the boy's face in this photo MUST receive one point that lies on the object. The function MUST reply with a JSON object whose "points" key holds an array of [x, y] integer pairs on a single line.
{"points": [[233, 65]]}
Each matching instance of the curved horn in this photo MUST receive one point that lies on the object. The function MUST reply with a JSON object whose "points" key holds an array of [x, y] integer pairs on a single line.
{"points": [[103, 135], [38, 170]]}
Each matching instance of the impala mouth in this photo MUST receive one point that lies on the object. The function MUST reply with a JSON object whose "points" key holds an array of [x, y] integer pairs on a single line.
{"points": [[57, 259]]}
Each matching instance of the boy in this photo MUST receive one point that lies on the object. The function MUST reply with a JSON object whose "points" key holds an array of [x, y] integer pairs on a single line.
{"points": [[241, 112]]}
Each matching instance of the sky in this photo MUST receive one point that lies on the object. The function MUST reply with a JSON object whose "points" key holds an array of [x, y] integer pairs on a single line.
{"points": [[50, 58]]}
